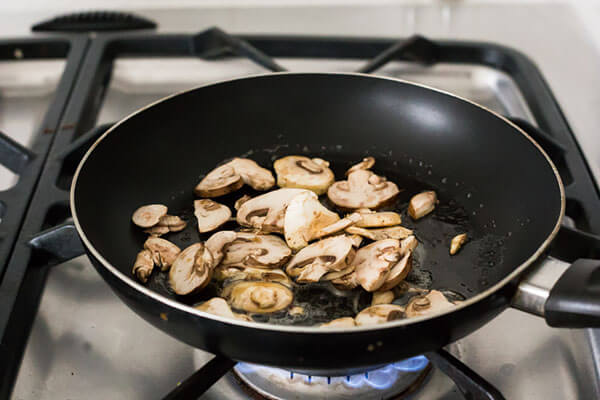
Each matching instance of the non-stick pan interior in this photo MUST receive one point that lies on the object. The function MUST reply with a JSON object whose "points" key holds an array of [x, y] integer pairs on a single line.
{"points": [[493, 182]]}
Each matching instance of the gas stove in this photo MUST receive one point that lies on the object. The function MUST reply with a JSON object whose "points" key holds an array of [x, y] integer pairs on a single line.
{"points": [[77, 340]]}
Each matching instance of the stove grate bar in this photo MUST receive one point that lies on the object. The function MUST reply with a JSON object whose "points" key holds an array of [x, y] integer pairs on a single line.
{"points": [[416, 48], [13, 155]]}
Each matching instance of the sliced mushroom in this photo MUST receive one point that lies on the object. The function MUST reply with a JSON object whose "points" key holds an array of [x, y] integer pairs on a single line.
{"points": [[431, 303], [457, 242], [252, 174], [366, 163], [339, 226], [296, 310], [240, 201], [356, 240], [422, 204], [259, 251], [315, 260], [216, 245], [266, 212], [157, 230], [219, 306], [379, 314], [148, 216], [190, 272], [408, 244], [362, 189], [224, 272], [163, 252], [345, 322], [374, 262], [142, 268], [379, 219], [210, 214], [219, 182], [382, 297], [338, 274], [258, 297], [398, 272], [392, 232], [304, 218], [302, 172], [173, 222], [346, 282]]}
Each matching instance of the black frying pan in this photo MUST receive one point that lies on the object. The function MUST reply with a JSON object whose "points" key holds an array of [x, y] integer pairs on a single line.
{"points": [[491, 177]]}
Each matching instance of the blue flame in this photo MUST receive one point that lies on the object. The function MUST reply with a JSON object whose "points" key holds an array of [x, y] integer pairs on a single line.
{"points": [[382, 378]]}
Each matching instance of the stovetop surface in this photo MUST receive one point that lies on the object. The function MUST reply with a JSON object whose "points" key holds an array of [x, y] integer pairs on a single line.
{"points": [[86, 344]]}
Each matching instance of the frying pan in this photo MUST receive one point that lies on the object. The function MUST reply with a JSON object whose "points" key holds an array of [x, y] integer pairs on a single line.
{"points": [[505, 188]]}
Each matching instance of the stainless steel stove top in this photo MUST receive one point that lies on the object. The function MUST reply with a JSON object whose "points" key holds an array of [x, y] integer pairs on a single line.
{"points": [[86, 344]]}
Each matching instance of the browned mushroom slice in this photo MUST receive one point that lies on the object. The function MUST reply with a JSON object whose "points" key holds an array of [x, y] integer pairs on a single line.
{"points": [[366, 163], [224, 272], [339, 226], [382, 297], [267, 211], [189, 273], [173, 222], [422, 204], [315, 260], [457, 242], [362, 189], [296, 310], [431, 303], [346, 322], [240, 201], [219, 306], [252, 174], [163, 252], [259, 251], [302, 172], [304, 217], [258, 297], [374, 262], [216, 245], [356, 240], [219, 182], [392, 232], [379, 314], [148, 216], [346, 282], [142, 268], [157, 230], [379, 219], [398, 272], [338, 274], [408, 244], [210, 214]]}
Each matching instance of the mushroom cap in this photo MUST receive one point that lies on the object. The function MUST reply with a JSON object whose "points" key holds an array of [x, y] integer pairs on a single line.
{"points": [[259, 251], [224, 272], [422, 204], [345, 322], [267, 211], [173, 222], [379, 219], [304, 217], [210, 214], [216, 243], [374, 262], [162, 251], [143, 265], [378, 314], [189, 273], [366, 163], [382, 297], [303, 172], [315, 260], [149, 215], [258, 297], [398, 272], [219, 306], [252, 174], [363, 189], [431, 303], [219, 182]]}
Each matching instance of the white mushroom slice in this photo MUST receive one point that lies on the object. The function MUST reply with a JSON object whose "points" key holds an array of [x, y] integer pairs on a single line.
{"points": [[345, 322], [356, 240], [338, 274], [382, 297], [362, 189], [315, 260], [346, 282], [457, 242], [163, 252], [408, 245], [157, 230], [379, 219], [339, 226], [219, 182], [374, 262], [431, 303], [189, 272], [392, 232], [252, 174], [258, 297], [224, 272], [398, 272], [173, 222], [422, 204], [302, 172], [259, 251], [216, 244], [148, 216], [267, 211], [296, 310], [142, 268], [240, 201], [379, 314], [366, 163], [219, 306], [210, 214], [304, 218]]}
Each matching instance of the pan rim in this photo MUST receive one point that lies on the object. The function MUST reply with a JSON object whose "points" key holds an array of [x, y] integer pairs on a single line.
{"points": [[315, 329]]}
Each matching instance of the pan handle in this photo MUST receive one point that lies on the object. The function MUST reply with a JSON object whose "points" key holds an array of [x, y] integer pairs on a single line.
{"points": [[61, 243], [566, 295]]}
